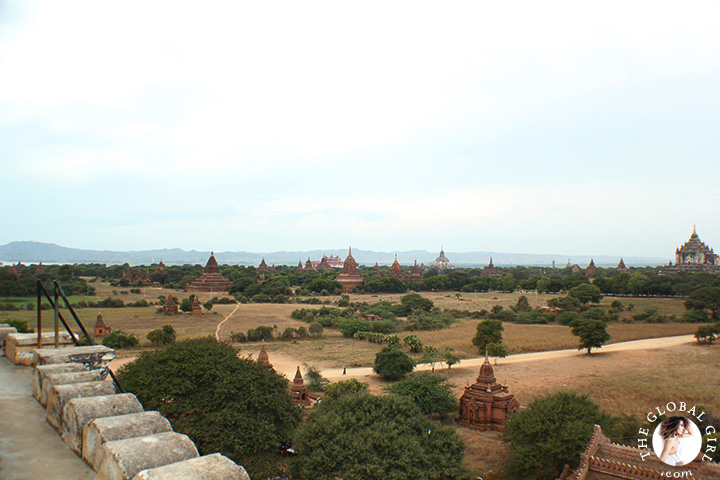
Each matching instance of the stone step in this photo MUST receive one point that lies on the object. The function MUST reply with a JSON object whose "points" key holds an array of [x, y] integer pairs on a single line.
{"points": [[20, 347], [59, 395], [78, 412], [95, 356], [5, 330], [107, 429], [67, 378], [41, 371], [123, 459], [208, 467]]}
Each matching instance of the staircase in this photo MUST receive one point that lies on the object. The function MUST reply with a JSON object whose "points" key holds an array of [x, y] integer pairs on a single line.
{"points": [[61, 418]]}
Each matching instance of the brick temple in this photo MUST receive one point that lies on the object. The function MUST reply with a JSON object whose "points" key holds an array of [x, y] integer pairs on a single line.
{"points": [[604, 460], [350, 278], [485, 405], [211, 280], [694, 257], [101, 329], [300, 396]]}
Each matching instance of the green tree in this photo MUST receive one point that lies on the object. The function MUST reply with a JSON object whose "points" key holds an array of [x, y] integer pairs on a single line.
{"points": [[508, 282], [430, 355], [592, 333], [162, 336], [430, 391], [707, 333], [488, 331], [365, 437], [414, 301], [186, 305], [344, 387], [413, 343], [586, 293], [225, 404], [497, 350], [705, 298], [119, 339], [551, 432], [450, 358], [523, 304], [392, 363]]}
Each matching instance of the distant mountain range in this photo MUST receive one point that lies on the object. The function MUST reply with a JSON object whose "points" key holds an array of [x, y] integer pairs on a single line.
{"points": [[35, 252]]}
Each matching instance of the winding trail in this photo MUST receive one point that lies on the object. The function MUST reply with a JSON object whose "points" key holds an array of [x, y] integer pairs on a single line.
{"points": [[217, 330], [645, 344]]}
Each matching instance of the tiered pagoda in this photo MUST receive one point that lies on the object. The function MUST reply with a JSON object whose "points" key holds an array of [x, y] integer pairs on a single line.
{"points": [[694, 257], [324, 265], [262, 268], [170, 307], [442, 262], [604, 460], [491, 271], [376, 272], [211, 280], [309, 266], [264, 359], [300, 396], [621, 268], [591, 269], [486, 404], [415, 276], [349, 278], [100, 328], [395, 270]]}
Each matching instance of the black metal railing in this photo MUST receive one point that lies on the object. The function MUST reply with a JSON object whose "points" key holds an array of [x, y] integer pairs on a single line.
{"points": [[54, 301]]}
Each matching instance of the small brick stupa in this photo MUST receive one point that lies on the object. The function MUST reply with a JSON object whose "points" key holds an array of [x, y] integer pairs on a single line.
{"points": [[299, 393], [415, 275], [264, 359], [350, 277], [100, 328], [196, 307], [211, 280], [591, 270], [170, 307], [491, 271], [263, 267], [486, 404]]}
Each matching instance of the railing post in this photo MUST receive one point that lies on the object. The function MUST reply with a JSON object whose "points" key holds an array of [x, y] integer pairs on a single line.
{"points": [[57, 318], [39, 316]]}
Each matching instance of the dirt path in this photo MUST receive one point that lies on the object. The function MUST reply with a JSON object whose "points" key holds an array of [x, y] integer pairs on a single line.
{"points": [[287, 365], [217, 330]]}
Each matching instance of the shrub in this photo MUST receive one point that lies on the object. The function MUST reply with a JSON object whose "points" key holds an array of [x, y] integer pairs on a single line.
{"points": [[118, 339], [430, 391], [344, 387], [315, 329], [260, 333], [162, 336], [392, 363], [20, 325], [238, 337]]}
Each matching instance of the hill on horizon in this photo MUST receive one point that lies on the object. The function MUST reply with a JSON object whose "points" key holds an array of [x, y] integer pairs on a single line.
{"points": [[34, 252]]}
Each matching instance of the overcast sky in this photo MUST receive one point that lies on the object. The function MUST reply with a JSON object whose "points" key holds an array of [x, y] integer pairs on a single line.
{"points": [[540, 127]]}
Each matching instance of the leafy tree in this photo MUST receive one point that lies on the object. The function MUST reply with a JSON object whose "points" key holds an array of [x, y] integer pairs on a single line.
{"points": [[315, 329], [586, 293], [696, 316], [162, 336], [415, 301], [315, 381], [344, 387], [705, 298], [508, 282], [707, 333], [226, 404], [413, 343], [488, 331], [523, 304], [208, 306], [430, 391], [119, 339], [365, 437], [568, 304], [392, 363], [497, 350], [450, 358], [552, 432], [260, 333], [430, 355], [592, 333], [186, 305]]}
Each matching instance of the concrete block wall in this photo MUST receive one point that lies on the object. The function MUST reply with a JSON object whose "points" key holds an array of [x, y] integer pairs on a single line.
{"points": [[111, 431]]}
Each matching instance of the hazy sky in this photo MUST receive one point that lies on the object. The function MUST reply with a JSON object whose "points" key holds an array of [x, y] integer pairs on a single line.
{"points": [[539, 127]]}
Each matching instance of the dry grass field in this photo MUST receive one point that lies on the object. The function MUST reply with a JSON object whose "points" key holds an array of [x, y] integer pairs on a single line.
{"points": [[620, 382]]}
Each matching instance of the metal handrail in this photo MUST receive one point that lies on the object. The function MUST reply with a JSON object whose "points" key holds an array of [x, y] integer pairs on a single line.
{"points": [[59, 292]]}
